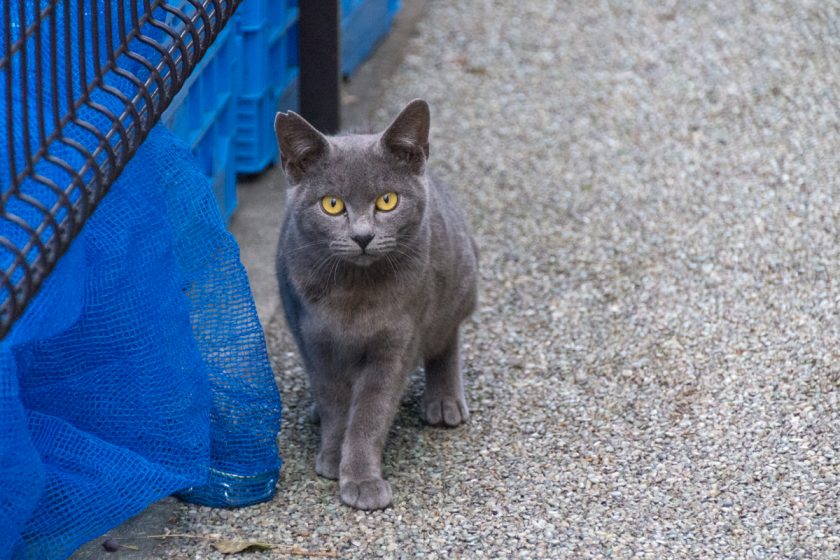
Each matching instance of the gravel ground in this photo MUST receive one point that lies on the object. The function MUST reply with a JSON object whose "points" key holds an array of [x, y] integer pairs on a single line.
{"points": [[653, 372]]}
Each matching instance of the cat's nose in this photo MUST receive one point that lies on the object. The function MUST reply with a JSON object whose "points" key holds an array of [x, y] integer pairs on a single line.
{"points": [[362, 239]]}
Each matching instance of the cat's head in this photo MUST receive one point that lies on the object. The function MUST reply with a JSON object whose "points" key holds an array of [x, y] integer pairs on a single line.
{"points": [[357, 197]]}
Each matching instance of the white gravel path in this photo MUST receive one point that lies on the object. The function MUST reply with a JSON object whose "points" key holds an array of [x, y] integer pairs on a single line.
{"points": [[655, 368]]}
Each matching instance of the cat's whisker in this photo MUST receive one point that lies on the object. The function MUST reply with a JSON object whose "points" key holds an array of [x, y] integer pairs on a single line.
{"points": [[400, 271], [321, 266], [303, 247], [410, 254], [334, 271], [390, 262]]}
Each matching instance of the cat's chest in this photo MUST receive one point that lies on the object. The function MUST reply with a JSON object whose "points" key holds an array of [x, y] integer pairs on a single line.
{"points": [[355, 308], [363, 315]]}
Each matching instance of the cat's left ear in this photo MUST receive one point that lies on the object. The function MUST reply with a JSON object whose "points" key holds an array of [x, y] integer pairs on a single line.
{"points": [[407, 137]]}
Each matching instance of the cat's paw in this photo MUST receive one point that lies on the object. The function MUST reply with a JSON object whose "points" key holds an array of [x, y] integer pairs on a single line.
{"points": [[326, 465], [445, 412], [366, 494]]}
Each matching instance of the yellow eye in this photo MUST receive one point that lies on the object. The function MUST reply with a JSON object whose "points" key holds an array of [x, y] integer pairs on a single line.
{"points": [[386, 202], [332, 205]]}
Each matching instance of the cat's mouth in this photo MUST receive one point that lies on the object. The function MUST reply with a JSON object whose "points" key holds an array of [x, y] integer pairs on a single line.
{"points": [[358, 256], [363, 259]]}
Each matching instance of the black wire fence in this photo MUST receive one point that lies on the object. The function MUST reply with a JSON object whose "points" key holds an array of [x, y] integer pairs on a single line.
{"points": [[82, 83]]}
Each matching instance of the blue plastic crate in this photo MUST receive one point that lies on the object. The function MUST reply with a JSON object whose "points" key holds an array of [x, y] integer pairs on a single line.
{"points": [[268, 78], [364, 23], [202, 114], [226, 109]]}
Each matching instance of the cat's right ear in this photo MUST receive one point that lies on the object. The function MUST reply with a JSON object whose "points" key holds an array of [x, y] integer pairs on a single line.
{"points": [[301, 145]]}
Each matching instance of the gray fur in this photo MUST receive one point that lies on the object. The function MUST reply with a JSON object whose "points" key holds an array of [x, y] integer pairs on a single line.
{"points": [[364, 322]]}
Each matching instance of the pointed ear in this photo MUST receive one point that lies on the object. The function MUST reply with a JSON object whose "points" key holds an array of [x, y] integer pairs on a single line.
{"points": [[408, 136], [300, 143]]}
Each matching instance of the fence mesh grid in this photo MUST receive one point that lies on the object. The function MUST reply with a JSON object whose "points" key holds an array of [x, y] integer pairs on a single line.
{"points": [[81, 84]]}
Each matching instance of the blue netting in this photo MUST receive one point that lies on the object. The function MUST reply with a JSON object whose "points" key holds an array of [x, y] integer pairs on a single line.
{"points": [[140, 369]]}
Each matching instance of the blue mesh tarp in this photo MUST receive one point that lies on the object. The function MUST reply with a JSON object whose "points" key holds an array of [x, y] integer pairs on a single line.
{"points": [[140, 368]]}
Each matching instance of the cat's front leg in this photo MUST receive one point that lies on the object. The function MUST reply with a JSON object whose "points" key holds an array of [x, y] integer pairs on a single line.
{"points": [[376, 396], [333, 423], [443, 400], [332, 392]]}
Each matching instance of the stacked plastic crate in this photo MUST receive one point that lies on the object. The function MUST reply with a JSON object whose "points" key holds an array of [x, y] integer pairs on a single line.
{"points": [[226, 109], [268, 79], [364, 23], [202, 114]]}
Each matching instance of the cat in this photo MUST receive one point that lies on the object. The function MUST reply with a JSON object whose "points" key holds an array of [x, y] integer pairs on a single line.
{"points": [[376, 269]]}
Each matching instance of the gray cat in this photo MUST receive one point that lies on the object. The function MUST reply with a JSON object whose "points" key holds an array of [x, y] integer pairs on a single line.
{"points": [[377, 269]]}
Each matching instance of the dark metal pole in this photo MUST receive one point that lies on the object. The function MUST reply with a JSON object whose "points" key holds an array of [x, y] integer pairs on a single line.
{"points": [[320, 64]]}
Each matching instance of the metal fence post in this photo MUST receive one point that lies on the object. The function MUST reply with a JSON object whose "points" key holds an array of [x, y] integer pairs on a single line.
{"points": [[320, 64]]}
